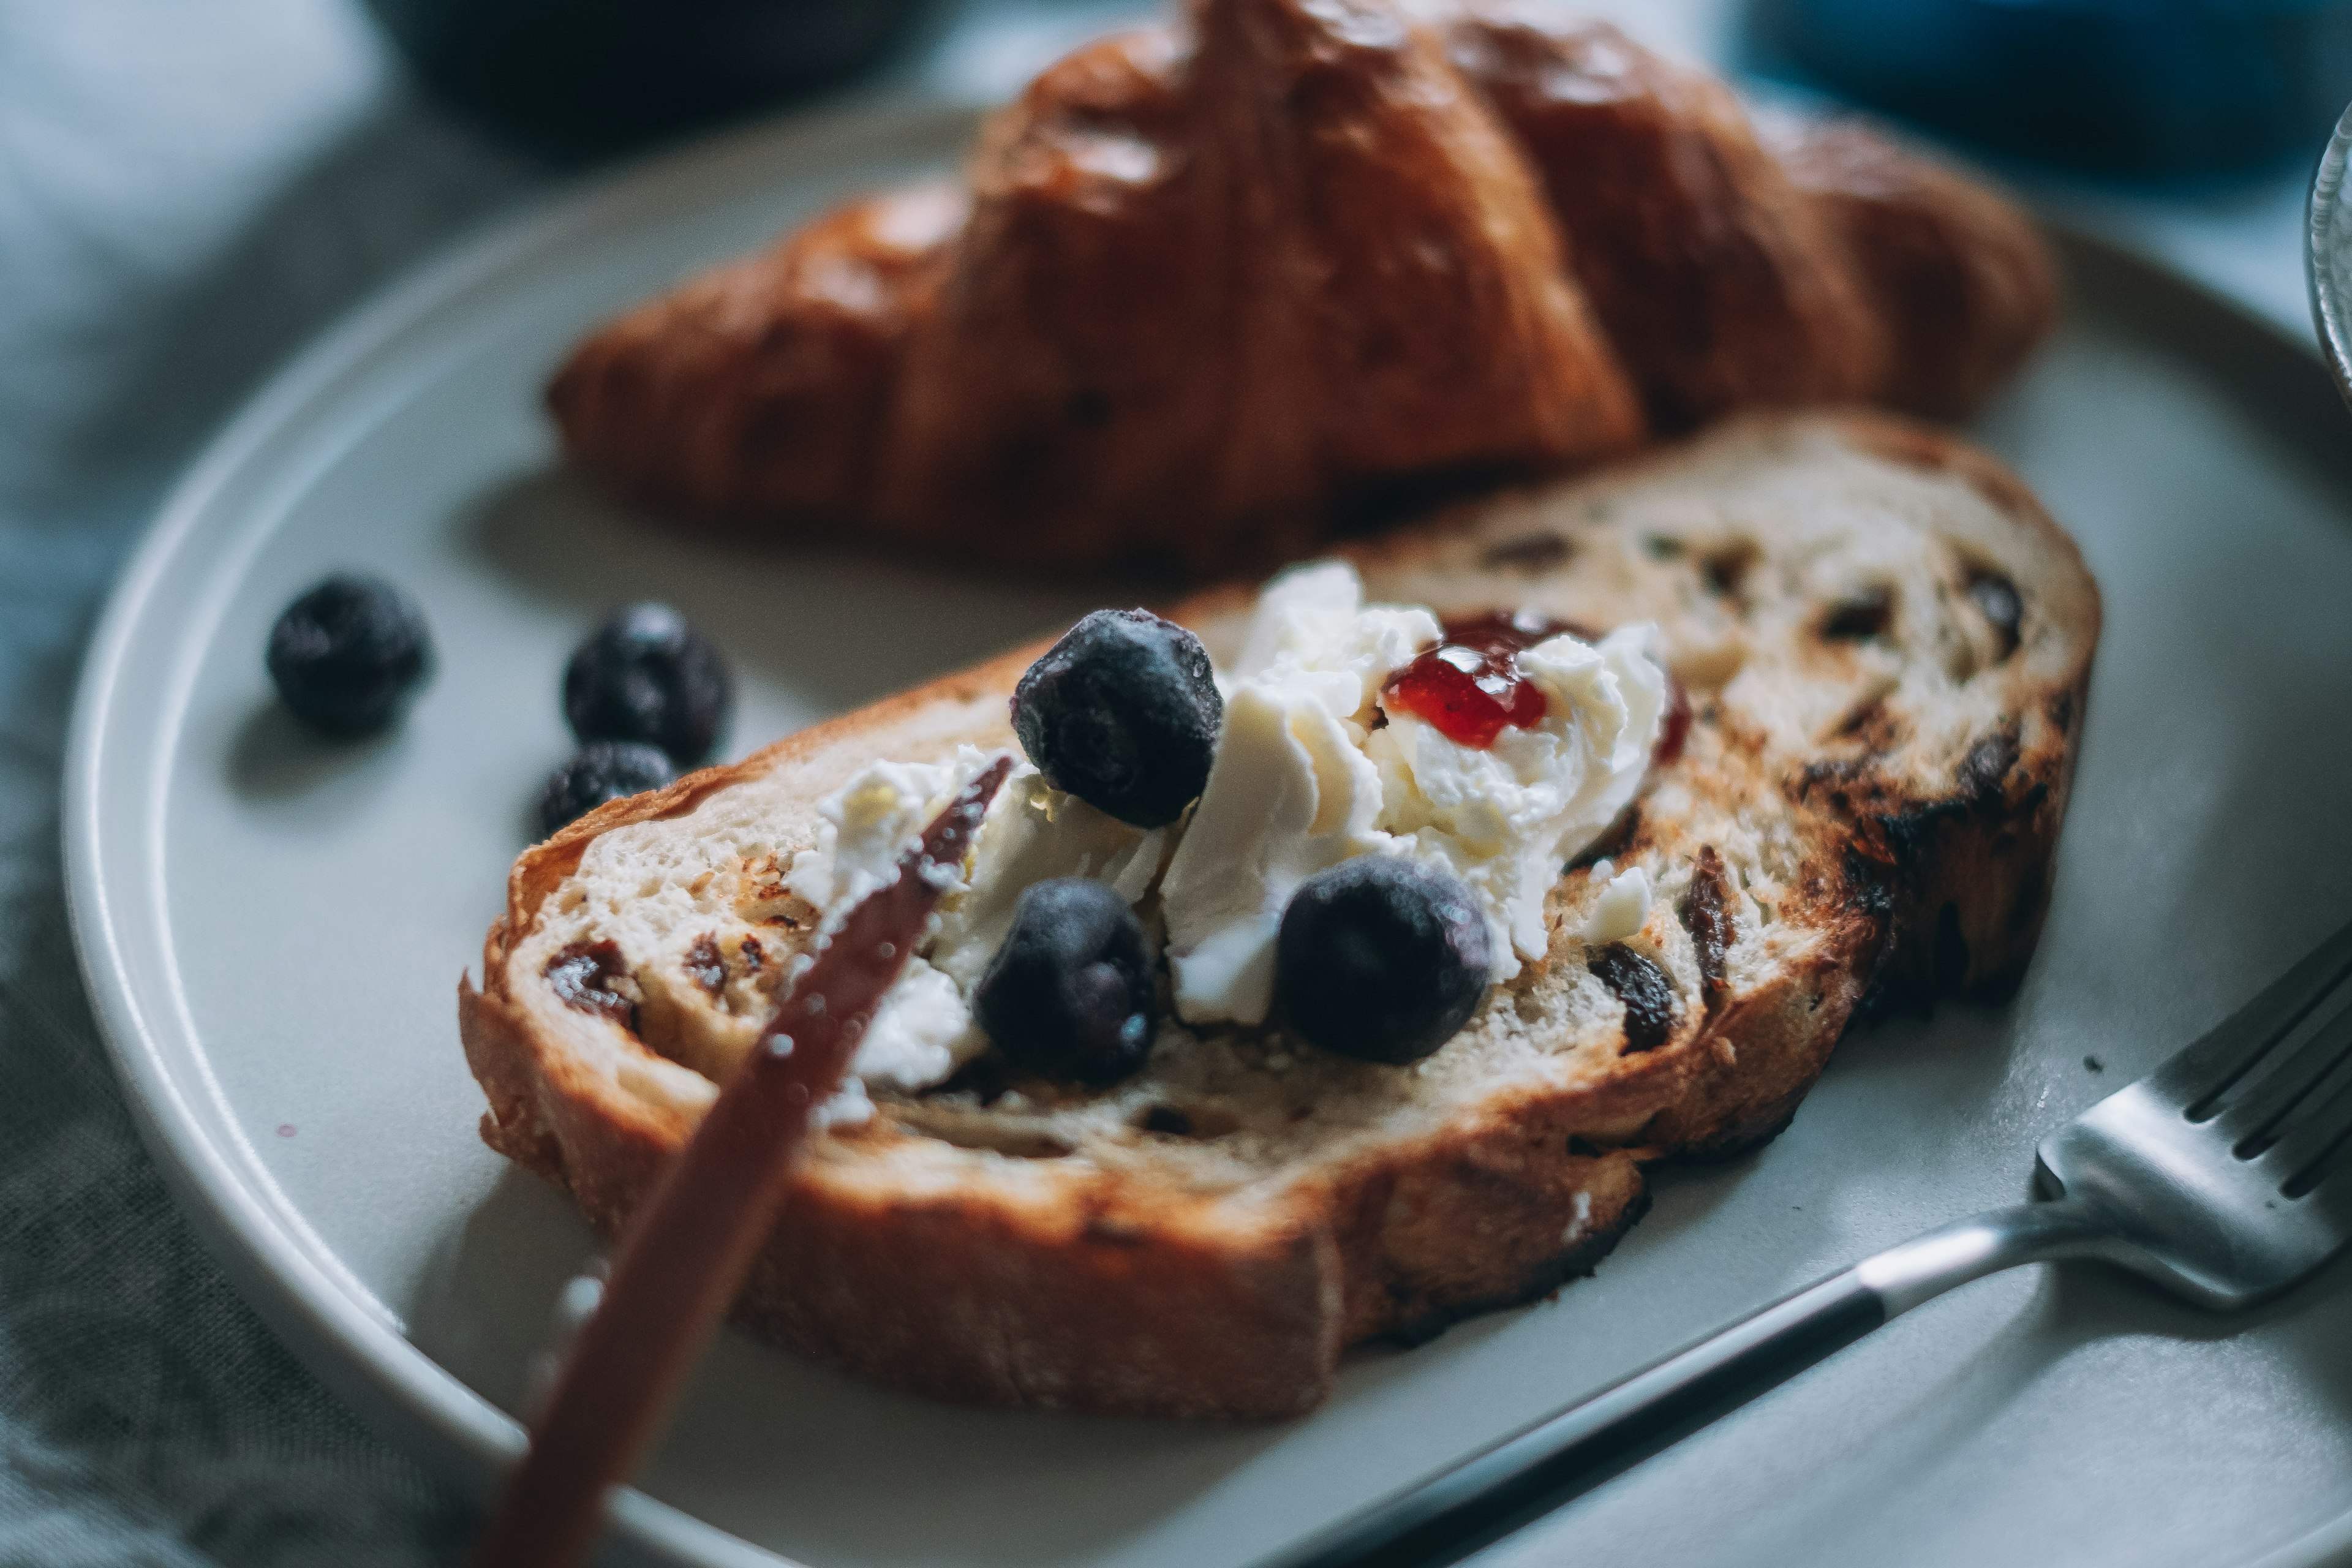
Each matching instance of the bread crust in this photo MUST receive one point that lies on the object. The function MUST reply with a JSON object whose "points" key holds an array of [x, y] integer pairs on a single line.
{"points": [[1092, 1289]]}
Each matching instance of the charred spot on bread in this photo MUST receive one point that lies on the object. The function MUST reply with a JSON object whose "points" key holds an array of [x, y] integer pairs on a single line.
{"points": [[588, 975], [1529, 552], [1860, 618], [1725, 569], [1649, 996], [1832, 774], [1989, 762], [1870, 723], [1198, 1120]]}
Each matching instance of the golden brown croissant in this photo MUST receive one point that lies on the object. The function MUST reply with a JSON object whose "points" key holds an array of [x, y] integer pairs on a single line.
{"points": [[1205, 287]]}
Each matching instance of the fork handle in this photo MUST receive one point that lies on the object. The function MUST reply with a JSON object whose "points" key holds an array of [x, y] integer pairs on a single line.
{"points": [[1478, 1501]]}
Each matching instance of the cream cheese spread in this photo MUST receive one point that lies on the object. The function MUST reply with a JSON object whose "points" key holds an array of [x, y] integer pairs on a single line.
{"points": [[924, 1030], [1309, 770]]}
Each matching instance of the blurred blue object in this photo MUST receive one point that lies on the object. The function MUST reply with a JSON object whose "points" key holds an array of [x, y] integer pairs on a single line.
{"points": [[2139, 86], [592, 76]]}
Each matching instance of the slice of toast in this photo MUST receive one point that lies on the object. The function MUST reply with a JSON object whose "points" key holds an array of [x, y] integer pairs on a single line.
{"points": [[1886, 643]]}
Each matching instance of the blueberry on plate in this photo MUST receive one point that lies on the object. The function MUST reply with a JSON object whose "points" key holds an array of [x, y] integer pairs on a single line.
{"points": [[601, 771], [1069, 995], [1380, 958], [1123, 713], [347, 655], [646, 675]]}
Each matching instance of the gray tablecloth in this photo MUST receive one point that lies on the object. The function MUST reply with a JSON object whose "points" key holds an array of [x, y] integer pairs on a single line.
{"points": [[188, 189], [186, 192]]}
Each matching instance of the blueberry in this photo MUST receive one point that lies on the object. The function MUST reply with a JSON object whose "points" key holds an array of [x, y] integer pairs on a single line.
{"points": [[601, 771], [646, 675], [1381, 958], [347, 655], [1123, 713], [1069, 995]]}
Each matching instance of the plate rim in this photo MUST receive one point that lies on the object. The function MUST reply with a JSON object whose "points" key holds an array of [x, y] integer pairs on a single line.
{"points": [[333, 1327]]}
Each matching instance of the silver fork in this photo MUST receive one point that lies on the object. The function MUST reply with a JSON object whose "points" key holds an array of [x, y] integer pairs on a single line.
{"points": [[2225, 1177]]}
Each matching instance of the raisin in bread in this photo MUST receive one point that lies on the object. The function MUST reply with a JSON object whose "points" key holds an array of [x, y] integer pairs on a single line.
{"points": [[1885, 644]]}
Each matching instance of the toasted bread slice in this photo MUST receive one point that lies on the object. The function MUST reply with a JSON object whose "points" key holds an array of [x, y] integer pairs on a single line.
{"points": [[1886, 643]]}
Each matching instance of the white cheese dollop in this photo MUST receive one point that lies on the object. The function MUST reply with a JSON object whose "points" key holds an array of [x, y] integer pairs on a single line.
{"points": [[1290, 792], [1303, 780], [924, 1030], [918, 1034], [865, 824]]}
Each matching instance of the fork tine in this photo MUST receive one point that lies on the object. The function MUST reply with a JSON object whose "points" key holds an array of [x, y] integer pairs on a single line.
{"points": [[2194, 1078], [2331, 1199], [2311, 1136], [2275, 1087]]}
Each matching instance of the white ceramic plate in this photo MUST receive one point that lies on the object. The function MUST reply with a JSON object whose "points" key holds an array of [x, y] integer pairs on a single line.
{"points": [[274, 929]]}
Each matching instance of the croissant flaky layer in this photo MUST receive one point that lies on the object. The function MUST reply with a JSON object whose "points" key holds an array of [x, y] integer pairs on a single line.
{"points": [[1207, 289]]}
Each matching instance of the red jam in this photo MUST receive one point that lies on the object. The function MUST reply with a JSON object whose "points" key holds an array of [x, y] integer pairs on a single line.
{"points": [[1469, 687]]}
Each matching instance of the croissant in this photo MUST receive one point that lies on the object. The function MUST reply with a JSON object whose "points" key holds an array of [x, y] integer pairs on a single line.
{"points": [[1207, 292]]}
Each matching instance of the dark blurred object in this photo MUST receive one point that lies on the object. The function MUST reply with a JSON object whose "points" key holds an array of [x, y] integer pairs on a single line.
{"points": [[590, 76], [2138, 87]]}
